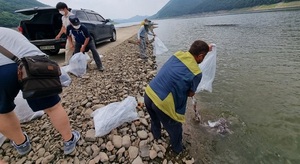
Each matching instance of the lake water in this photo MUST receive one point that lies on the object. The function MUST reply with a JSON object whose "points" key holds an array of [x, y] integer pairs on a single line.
{"points": [[257, 83]]}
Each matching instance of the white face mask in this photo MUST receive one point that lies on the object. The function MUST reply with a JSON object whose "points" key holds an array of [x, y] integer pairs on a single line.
{"points": [[62, 12], [77, 27]]}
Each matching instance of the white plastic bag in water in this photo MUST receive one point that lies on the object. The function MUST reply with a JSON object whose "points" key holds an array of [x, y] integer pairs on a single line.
{"points": [[208, 68], [23, 111], [113, 115], [65, 79], [159, 47], [77, 64]]}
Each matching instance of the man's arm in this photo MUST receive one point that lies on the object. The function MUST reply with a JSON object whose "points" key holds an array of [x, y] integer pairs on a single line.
{"points": [[87, 39], [151, 32], [86, 42], [62, 30], [194, 85]]}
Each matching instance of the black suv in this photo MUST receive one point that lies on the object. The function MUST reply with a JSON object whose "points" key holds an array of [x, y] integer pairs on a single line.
{"points": [[46, 23]]}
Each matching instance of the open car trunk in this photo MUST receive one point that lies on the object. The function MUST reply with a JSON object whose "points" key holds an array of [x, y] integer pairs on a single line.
{"points": [[42, 28], [45, 26]]}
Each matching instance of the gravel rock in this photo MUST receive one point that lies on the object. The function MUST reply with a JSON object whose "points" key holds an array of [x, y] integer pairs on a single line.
{"points": [[90, 135], [117, 141], [133, 152], [142, 134]]}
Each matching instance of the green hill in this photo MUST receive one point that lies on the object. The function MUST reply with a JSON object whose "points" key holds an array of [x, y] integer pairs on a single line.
{"points": [[176, 8], [7, 7]]}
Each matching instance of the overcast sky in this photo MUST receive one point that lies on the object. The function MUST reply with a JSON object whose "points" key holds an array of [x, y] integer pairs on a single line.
{"points": [[115, 9]]}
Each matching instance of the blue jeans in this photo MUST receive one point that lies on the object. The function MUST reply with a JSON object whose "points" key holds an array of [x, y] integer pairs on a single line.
{"points": [[91, 46], [174, 128]]}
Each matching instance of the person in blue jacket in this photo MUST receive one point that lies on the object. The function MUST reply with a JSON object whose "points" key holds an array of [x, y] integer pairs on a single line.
{"points": [[83, 40], [166, 94]]}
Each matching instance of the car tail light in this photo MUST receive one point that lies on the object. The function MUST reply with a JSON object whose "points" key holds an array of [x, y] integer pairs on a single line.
{"points": [[20, 29], [63, 44]]}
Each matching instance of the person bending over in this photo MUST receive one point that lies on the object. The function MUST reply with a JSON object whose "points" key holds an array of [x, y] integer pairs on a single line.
{"points": [[10, 126], [166, 94], [83, 40]]}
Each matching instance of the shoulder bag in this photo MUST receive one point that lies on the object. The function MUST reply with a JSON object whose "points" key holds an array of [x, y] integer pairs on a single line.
{"points": [[37, 75]]}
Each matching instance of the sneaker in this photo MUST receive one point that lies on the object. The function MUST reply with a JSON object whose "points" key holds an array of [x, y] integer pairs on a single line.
{"points": [[69, 146], [144, 57], [101, 69], [173, 156], [23, 148]]}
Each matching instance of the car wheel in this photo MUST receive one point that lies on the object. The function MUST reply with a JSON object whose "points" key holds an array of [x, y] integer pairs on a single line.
{"points": [[114, 36]]}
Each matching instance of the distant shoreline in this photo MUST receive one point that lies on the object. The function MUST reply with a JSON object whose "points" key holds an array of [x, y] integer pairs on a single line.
{"points": [[257, 9], [243, 11]]}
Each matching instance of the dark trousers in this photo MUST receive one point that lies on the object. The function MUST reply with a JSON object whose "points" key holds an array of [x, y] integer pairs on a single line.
{"points": [[174, 128], [143, 48], [91, 46]]}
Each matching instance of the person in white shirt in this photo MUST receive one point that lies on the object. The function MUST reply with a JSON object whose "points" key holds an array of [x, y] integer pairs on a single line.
{"points": [[64, 11], [10, 127]]}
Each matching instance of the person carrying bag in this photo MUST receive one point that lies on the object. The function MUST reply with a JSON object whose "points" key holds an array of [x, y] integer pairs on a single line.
{"points": [[38, 75], [25, 67]]}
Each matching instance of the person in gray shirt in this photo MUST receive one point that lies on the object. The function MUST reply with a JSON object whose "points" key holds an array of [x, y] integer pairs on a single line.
{"points": [[142, 36]]}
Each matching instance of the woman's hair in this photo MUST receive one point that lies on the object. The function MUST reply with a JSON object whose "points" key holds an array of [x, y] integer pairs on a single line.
{"points": [[61, 5], [199, 47]]}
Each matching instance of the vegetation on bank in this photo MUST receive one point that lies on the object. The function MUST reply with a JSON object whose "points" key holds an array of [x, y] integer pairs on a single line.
{"points": [[8, 17], [177, 8], [280, 5]]}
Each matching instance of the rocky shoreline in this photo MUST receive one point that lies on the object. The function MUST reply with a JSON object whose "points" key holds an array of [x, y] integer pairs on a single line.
{"points": [[125, 75]]}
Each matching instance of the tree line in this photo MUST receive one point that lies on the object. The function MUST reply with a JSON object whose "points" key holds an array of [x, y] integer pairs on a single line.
{"points": [[8, 17], [179, 7]]}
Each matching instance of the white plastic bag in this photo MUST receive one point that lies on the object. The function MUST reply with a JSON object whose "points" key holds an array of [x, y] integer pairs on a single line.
{"points": [[88, 56], [77, 64], [2, 139], [65, 79], [208, 68], [113, 115], [159, 47], [23, 111], [65, 68]]}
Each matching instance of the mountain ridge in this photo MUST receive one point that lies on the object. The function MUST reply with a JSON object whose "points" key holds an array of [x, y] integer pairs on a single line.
{"points": [[175, 8], [136, 18], [8, 17]]}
